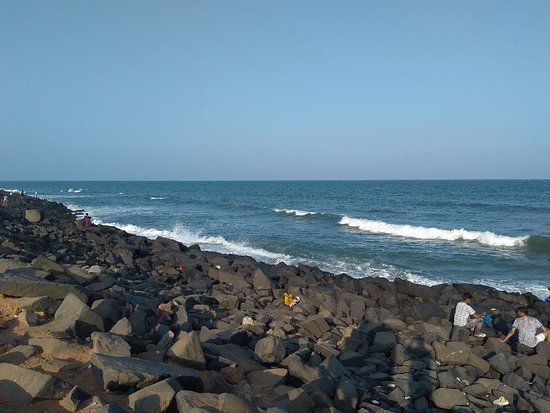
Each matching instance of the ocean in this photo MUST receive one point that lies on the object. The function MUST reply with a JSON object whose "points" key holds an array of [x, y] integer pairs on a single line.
{"points": [[491, 232]]}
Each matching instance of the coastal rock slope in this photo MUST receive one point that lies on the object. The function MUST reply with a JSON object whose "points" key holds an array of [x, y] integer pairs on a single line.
{"points": [[98, 320]]}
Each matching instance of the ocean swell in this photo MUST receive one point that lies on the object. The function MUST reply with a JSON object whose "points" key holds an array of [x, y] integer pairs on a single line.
{"points": [[409, 231]]}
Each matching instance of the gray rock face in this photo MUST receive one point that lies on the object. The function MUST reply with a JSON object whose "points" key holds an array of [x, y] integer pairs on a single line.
{"points": [[270, 350], [29, 286], [449, 398], [121, 373], [110, 344], [154, 398], [34, 216], [75, 316], [22, 385], [187, 351], [262, 380], [207, 402]]}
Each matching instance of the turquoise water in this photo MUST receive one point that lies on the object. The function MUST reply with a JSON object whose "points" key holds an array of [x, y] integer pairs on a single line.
{"points": [[490, 232]]}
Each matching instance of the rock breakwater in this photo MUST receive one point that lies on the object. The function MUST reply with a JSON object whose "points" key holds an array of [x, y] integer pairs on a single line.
{"points": [[98, 320]]}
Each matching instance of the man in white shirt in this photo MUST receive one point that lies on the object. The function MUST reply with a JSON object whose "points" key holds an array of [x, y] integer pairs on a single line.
{"points": [[466, 316], [527, 328]]}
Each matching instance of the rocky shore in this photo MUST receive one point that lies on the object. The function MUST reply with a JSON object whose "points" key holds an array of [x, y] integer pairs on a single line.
{"points": [[98, 320]]}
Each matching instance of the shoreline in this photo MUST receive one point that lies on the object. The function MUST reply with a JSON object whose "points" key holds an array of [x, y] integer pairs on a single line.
{"points": [[219, 324]]}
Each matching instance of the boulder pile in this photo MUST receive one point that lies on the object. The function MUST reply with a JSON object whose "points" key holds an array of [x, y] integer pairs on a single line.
{"points": [[164, 327]]}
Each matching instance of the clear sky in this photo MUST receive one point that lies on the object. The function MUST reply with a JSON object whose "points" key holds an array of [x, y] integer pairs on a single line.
{"points": [[208, 90]]}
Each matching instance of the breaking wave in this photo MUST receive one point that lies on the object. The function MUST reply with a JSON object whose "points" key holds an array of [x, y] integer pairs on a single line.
{"points": [[295, 212], [210, 243], [415, 232]]}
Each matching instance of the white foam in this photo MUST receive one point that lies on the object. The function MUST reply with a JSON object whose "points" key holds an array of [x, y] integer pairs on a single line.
{"points": [[295, 212], [156, 197], [11, 191], [410, 231], [210, 243], [76, 191]]}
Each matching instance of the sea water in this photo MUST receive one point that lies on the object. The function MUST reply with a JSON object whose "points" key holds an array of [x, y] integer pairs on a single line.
{"points": [[491, 232]]}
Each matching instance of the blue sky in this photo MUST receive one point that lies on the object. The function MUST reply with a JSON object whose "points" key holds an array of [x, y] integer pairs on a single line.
{"points": [[201, 90]]}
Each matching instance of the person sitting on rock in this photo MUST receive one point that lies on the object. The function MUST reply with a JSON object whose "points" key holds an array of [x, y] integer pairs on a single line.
{"points": [[527, 329], [466, 316]]}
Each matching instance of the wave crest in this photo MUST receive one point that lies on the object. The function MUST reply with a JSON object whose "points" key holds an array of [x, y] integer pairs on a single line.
{"points": [[410, 231], [211, 243], [295, 212]]}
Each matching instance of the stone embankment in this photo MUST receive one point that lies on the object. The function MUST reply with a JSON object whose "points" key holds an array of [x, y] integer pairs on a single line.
{"points": [[99, 320]]}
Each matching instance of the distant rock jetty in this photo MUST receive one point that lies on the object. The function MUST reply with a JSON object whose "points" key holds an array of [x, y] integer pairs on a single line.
{"points": [[171, 328]]}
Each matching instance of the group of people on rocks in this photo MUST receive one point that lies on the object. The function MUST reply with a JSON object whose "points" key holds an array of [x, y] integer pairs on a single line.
{"points": [[526, 326]]}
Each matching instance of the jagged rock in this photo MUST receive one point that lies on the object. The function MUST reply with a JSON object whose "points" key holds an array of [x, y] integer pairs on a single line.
{"points": [[74, 398], [346, 397], [241, 356], [21, 385], [452, 353], [28, 318], [44, 263], [270, 350], [500, 362], [298, 369], [110, 344], [123, 327], [154, 398], [30, 286], [314, 326], [33, 216], [515, 381], [187, 401], [449, 380], [121, 373], [76, 317], [262, 380], [187, 351], [48, 305], [449, 398], [544, 349], [477, 362], [53, 346], [18, 354]]}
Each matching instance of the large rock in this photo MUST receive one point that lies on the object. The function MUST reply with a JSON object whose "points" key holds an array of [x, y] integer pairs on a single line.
{"points": [[154, 398], [110, 344], [452, 353], [241, 356], [187, 351], [77, 318], [122, 373], [44, 263], [33, 215], [17, 285], [262, 380], [449, 398], [271, 350], [314, 327], [189, 401], [21, 385]]}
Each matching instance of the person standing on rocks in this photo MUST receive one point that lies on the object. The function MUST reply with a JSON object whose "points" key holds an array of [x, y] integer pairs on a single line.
{"points": [[527, 329], [86, 221], [466, 316]]}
